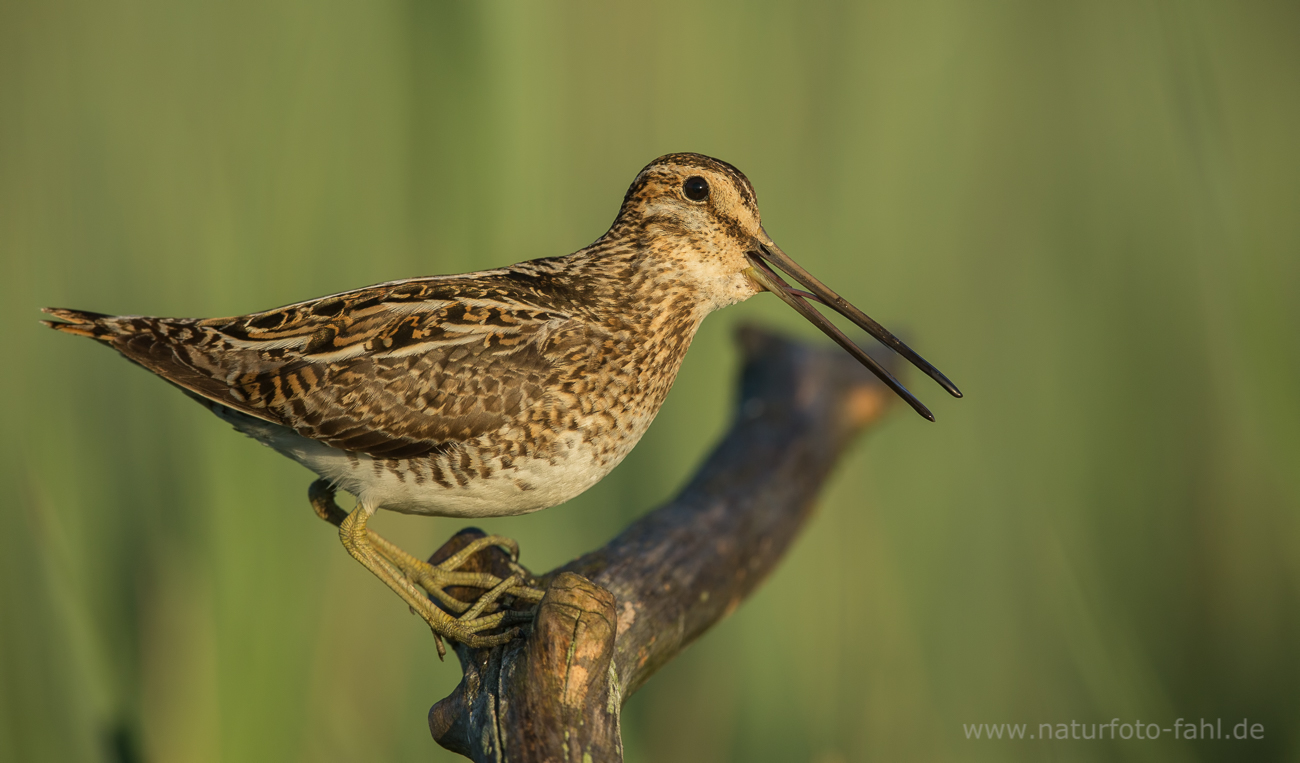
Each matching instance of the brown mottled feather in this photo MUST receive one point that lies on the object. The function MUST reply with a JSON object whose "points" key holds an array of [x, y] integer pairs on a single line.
{"points": [[459, 376], [389, 372]]}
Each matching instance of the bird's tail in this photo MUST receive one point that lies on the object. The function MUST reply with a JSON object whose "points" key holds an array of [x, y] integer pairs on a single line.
{"points": [[164, 346], [84, 323]]}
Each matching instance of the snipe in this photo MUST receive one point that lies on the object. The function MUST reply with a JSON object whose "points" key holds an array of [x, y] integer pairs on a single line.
{"points": [[491, 393]]}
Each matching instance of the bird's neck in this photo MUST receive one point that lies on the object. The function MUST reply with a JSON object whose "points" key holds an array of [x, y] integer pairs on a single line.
{"points": [[624, 280]]}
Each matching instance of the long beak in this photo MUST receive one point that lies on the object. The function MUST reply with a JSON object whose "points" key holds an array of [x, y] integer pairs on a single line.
{"points": [[763, 274]]}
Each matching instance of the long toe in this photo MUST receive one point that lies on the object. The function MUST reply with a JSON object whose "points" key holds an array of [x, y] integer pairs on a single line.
{"points": [[487, 642]]}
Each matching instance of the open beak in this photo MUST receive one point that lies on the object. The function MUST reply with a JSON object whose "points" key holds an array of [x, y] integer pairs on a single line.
{"points": [[768, 254]]}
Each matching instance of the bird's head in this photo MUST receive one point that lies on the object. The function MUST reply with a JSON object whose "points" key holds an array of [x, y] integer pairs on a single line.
{"points": [[699, 216]]}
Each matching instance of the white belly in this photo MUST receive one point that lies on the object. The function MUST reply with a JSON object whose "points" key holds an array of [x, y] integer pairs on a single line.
{"points": [[528, 485]]}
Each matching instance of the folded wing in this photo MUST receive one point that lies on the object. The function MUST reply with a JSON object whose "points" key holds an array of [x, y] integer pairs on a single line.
{"points": [[392, 371]]}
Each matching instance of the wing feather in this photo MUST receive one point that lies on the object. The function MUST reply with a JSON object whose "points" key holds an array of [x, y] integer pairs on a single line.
{"points": [[394, 371]]}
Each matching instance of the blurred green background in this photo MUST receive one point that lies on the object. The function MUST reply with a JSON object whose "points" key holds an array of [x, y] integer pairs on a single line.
{"points": [[1086, 213]]}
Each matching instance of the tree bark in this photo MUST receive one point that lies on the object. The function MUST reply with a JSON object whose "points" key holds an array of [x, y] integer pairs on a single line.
{"points": [[613, 617]]}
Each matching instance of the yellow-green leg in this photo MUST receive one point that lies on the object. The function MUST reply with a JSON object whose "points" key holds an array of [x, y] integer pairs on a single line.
{"points": [[436, 578], [401, 572]]}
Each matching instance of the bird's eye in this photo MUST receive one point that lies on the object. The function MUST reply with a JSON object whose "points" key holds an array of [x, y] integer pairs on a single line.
{"points": [[696, 188]]}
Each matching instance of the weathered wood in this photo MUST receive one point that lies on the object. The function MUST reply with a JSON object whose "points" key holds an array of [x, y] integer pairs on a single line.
{"points": [[613, 617]]}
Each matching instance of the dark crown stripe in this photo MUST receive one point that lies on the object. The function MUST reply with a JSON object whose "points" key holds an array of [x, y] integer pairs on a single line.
{"points": [[709, 163]]}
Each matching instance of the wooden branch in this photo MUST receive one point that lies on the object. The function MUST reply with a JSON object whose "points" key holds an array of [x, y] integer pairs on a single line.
{"points": [[613, 617]]}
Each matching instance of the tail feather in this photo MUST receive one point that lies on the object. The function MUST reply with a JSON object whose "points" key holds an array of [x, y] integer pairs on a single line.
{"points": [[78, 322], [165, 346]]}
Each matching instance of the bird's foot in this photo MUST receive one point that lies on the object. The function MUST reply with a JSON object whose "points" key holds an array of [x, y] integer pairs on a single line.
{"points": [[460, 614], [474, 573]]}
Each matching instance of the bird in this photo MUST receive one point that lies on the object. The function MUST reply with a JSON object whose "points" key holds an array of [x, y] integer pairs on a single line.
{"points": [[492, 393]]}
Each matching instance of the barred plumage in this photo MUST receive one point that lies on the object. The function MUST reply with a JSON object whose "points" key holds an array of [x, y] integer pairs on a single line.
{"points": [[498, 392]]}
